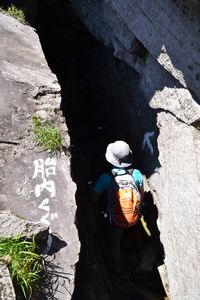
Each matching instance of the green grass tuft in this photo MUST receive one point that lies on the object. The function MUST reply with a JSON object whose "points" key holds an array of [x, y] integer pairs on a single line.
{"points": [[25, 266], [47, 135], [17, 13]]}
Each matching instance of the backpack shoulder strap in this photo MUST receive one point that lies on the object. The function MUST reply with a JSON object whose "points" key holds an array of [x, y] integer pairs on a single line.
{"points": [[130, 171], [112, 173]]}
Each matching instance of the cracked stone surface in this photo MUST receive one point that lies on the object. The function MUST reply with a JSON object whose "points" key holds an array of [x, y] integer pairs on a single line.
{"points": [[168, 29], [6, 288], [11, 225], [176, 192], [34, 184], [171, 163], [179, 102], [165, 106]]}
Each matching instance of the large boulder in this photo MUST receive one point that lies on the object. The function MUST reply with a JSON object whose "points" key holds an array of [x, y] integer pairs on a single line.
{"points": [[34, 184]]}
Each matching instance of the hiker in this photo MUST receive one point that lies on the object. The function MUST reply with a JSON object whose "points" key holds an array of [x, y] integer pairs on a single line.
{"points": [[116, 219]]}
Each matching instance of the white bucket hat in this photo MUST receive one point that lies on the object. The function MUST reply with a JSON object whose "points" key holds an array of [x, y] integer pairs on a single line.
{"points": [[119, 154]]}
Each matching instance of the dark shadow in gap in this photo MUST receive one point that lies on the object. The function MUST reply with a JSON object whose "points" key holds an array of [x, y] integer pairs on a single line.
{"points": [[51, 244], [50, 281], [97, 102], [52, 273]]}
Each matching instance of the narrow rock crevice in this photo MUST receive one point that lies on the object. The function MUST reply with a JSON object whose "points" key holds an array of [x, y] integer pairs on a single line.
{"points": [[9, 142], [98, 91]]}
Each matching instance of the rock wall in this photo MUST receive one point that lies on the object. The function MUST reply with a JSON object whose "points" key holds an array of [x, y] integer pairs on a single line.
{"points": [[165, 107], [34, 184], [170, 33], [163, 110], [173, 175]]}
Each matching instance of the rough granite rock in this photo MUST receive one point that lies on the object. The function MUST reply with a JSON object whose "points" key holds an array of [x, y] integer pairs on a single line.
{"points": [[165, 93], [178, 102], [171, 159], [11, 225], [164, 110], [6, 287], [176, 190], [34, 184], [168, 32]]}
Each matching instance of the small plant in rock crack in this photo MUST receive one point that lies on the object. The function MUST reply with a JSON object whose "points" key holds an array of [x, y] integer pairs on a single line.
{"points": [[47, 135], [15, 12], [25, 265]]}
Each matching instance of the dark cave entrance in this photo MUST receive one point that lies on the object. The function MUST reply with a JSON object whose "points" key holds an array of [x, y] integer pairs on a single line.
{"points": [[97, 101]]}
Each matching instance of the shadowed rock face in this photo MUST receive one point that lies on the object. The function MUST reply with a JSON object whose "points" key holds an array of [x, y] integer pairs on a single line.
{"points": [[168, 30], [157, 119], [162, 114], [12, 226], [34, 184]]}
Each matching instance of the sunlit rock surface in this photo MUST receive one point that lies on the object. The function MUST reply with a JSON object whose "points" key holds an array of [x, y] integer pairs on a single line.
{"points": [[34, 184], [6, 288]]}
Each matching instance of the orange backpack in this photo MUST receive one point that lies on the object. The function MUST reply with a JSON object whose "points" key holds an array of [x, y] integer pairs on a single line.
{"points": [[124, 200]]}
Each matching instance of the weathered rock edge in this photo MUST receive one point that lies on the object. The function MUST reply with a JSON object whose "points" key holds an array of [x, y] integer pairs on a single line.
{"points": [[11, 226], [6, 287], [34, 185]]}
